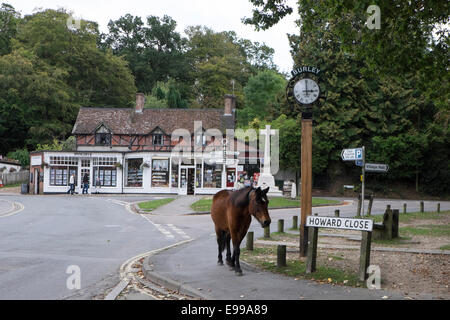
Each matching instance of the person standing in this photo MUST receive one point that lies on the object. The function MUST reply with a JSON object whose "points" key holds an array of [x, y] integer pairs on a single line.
{"points": [[85, 183], [97, 184], [72, 184]]}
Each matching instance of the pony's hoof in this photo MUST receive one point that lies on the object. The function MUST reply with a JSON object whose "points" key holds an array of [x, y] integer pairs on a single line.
{"points": [[220, 263], [238, 273]]}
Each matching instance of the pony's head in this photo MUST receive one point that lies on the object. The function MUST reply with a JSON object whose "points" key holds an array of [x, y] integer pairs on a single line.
{"points": [[258, 206]]}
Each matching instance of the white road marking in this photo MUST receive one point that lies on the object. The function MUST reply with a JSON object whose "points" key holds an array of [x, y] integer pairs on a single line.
{"points": [[159, 227], [179, 231]]}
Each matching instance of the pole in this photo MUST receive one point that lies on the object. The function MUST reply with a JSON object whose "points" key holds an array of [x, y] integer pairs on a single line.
{"points": [[363, 178], [306, 179]]}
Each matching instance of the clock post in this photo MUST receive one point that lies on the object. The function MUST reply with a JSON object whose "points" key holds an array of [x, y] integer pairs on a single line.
{"points": [[303, 91]]}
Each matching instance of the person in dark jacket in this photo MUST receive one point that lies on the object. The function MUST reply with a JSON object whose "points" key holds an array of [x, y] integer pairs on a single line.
{"points": [[85, 183]]}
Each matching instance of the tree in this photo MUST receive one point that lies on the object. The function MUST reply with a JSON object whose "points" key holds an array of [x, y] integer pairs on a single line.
{"points": [[9, 22], [51, 71], [263, 96], [155, 51]]}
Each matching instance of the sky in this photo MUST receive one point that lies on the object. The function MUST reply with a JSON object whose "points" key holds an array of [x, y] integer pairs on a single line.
{"points": [[219, 15]]}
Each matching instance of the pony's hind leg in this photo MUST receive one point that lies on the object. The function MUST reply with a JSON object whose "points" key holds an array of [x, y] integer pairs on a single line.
{"points": [[229, 259], [221, 239]]}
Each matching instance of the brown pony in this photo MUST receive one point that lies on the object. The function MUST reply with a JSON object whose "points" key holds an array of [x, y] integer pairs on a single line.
{"points": [[231, 212]]}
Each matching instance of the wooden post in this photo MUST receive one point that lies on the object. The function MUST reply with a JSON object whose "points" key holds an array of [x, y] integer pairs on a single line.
{"points": [[312, 249], [358, 212], [404, 208], [306, 178], [281, 256], [369, 209], [295, 222], [267, 232], [249, 241], [438, 209], [364, 259], [388, 221], [281, 226], [336, 213], [421, 206], [395, 218]]}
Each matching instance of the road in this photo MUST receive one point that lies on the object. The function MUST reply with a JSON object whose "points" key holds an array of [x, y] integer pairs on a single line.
{"points": [[98, 234], [52, 233]]}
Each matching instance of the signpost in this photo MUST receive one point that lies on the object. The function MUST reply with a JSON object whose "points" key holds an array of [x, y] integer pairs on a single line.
{"points": [[364, 225], [359, 156]]}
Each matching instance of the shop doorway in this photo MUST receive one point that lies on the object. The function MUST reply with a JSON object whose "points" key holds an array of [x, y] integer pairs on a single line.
{"points": [[191, 181], [188, 180], [36, 181]]}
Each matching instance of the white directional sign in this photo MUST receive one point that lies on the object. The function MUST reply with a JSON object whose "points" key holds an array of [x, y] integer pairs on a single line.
{"points": [[376, 167], [340, 223], [352, 154]]}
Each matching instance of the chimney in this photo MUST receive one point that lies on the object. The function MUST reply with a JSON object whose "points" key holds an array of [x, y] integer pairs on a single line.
{"points": [[230, 104], [140, 102]]}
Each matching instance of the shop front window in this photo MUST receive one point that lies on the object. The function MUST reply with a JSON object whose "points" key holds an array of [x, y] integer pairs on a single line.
{"points": [[160, 173], [105, 176], [212, 176], [59, 176], [134, 172]]}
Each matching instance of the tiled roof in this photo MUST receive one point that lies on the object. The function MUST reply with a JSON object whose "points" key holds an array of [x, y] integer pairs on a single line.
{"points": [[126, 121]]}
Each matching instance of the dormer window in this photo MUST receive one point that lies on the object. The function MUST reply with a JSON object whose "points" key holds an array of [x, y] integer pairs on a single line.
{"points": [[103, 136], [158, 139]]}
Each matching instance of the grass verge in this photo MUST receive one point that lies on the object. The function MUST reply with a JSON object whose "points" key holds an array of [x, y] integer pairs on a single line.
{"points": [[409, 216], [265, 258], [205, 204], [153, 204]]}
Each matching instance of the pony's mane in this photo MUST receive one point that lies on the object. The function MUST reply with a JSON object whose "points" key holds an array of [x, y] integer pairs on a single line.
{"points": [[239, 198]]}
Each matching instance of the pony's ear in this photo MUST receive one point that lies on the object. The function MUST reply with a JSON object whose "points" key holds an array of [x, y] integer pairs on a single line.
{"points": [[265, 191], [258, 192]]}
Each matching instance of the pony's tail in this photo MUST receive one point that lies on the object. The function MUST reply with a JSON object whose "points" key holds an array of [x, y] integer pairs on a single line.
{"points": [[222, 240]]}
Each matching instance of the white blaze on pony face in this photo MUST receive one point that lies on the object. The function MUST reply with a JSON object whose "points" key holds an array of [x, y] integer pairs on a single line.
{"points": [[259, 206]]}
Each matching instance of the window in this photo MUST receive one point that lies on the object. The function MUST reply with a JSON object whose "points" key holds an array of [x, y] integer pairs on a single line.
{"points": [[85, 163], [133, 169], [59, 176], [160, 173], [64, 160], [212, 176], [174, 175], [158, 139], [103, 139], [106, 175], [106, 161]]}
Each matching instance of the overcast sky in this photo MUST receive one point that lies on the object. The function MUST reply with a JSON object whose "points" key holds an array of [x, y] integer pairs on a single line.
{"points": [[219, 15]]}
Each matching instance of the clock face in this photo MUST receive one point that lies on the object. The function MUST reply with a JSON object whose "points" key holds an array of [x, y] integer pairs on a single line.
{"points": [[306, 91]]}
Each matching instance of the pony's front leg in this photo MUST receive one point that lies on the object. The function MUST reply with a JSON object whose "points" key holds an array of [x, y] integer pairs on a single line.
{"points": [[236, 254]]}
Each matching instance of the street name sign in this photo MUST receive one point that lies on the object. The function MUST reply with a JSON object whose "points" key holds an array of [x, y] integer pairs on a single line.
{"points": [[376, 167], [352, 154], [340, 223]]}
